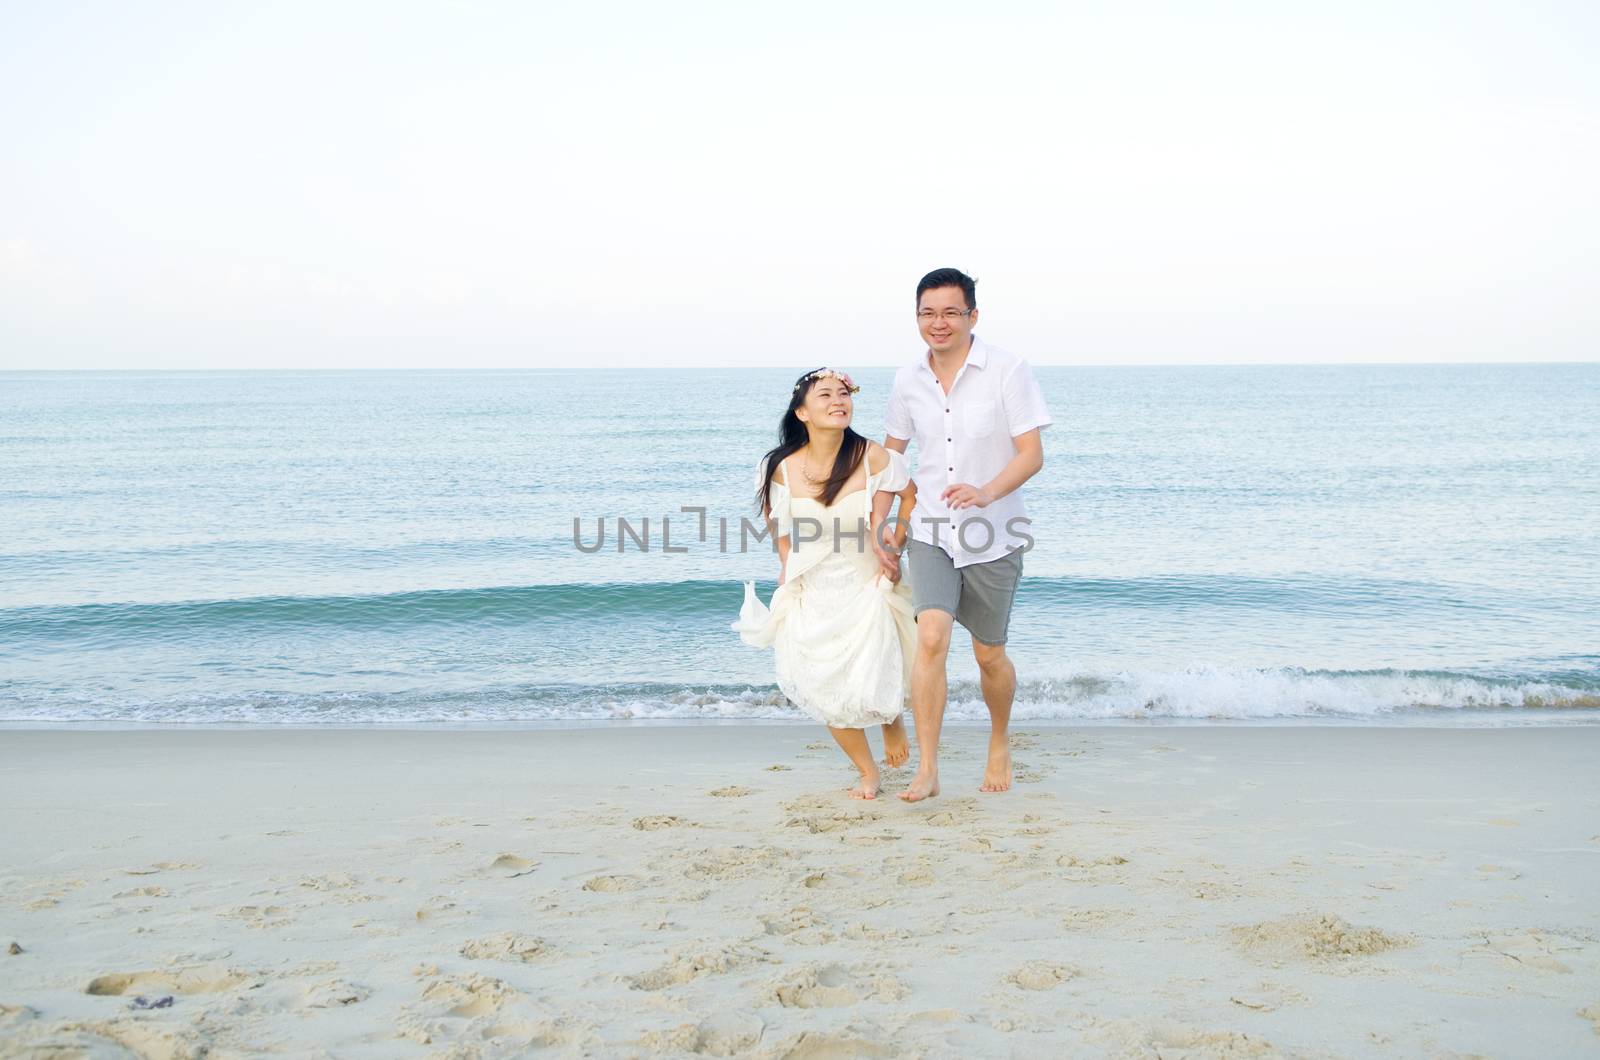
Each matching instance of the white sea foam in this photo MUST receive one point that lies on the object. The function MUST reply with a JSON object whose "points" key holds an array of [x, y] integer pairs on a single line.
{"points": [[1198, 693]]}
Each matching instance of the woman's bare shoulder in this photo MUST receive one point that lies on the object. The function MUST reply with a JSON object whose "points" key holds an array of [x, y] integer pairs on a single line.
{"points": [[877, 458]]}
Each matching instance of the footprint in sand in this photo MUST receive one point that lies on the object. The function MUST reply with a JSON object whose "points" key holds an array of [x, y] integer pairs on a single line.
{"points": [[864, 932], [441, 908], [687, 966], [656, 822], [258, 916], [728, 863], [1266, 997], [506, 946], [1040, 975], [816, 1045], [1528, 949], [733, 792], [1317, 937], [115, 1037], [469, 995], [611, 884], [820, 814], [1087, 864], [144, 892], [830, 986], [957, 812], [180, 981], [333, 993], [1185, 1041], [511, 866], [1093, 918], [723, 1034], [799, 925], [786, 769], [162, 866]]}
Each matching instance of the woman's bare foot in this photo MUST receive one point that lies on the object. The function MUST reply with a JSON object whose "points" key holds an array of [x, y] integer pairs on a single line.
{"points": [[896, 746], [867, 788], [997, 774], [922, 786]]}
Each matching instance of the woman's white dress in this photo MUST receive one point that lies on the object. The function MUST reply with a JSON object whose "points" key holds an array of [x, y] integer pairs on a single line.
{"points": [[843, 634]]}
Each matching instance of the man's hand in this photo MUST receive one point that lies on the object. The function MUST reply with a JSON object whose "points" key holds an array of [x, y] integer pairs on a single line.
{"points": [[888, 561], [961, 495]]}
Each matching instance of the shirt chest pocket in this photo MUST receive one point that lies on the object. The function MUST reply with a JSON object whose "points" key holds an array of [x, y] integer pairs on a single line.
{"points": [[981, 418]]}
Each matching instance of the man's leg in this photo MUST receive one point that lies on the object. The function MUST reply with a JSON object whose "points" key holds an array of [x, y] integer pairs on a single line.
{"points": [[988, 591], [999, 680], [928, 691]]}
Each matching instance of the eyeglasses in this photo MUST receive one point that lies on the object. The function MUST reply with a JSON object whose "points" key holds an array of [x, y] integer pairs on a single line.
{"points": [[949, 316]]}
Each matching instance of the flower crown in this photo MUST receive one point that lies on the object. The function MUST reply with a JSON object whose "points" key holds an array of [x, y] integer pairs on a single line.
{"points": [[828, 373]]}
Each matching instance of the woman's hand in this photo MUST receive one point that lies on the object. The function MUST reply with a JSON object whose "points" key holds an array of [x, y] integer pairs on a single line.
{"points": [[888, 560]]}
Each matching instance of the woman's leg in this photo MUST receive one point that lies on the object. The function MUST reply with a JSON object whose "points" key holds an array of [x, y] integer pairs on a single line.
{"points": [[854, 744], [896, 747]]}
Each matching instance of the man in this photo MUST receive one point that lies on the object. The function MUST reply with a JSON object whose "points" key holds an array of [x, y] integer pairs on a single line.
{"points": [[976, 412]]}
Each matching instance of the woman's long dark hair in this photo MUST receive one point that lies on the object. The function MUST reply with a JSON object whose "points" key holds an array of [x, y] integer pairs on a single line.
{"points": [[792, 437]]}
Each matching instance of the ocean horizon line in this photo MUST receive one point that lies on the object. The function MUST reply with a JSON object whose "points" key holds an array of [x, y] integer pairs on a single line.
{"points": [[567, 369]]}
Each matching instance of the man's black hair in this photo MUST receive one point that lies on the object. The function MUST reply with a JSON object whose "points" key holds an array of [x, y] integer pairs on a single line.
{"points": [[950, 278]]}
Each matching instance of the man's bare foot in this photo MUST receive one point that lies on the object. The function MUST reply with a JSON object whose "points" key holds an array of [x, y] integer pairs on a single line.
{"points": [[921, 787], [867, 788], [997, 774], [896, 746]]}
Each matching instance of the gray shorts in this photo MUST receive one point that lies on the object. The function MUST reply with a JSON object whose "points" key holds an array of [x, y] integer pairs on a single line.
{"points": [[979, 595]]}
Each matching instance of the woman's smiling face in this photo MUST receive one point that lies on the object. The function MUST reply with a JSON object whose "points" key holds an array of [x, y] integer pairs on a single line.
{"points": [[828, 404]]}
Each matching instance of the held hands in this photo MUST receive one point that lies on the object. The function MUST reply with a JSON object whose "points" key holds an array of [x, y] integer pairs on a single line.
{"points": [[888, 551], [961, 495]]}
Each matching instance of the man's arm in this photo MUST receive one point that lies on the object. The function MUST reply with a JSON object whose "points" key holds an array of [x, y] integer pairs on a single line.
{"points": [[1023, 465], [908, 497]]}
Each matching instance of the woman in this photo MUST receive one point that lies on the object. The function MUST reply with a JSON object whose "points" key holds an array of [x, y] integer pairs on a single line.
{"points": [[841, 625]]}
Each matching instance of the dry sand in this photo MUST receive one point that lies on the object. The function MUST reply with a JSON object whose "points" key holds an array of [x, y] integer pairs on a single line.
{"points": [[1172, 891]]}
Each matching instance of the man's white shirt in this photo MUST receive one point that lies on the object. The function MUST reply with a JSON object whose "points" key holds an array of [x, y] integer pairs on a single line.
{"points": [[966, 436]]}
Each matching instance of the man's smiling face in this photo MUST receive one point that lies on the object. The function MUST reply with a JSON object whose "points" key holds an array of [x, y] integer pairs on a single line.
{"points": [[944, 319]]}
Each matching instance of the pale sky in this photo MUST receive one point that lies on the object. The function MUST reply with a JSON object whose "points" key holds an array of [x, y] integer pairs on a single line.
{"points": [[504, 185]]}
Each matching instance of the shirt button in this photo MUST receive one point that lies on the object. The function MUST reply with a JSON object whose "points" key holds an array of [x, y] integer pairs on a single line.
{"points": [[949, 439], [951, 469]]}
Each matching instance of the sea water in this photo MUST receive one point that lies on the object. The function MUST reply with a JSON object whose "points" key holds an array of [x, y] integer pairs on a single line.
{"points": [[1372, 544]]}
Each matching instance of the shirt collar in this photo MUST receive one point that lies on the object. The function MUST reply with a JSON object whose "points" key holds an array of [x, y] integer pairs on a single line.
{"points": [[977, 355]]}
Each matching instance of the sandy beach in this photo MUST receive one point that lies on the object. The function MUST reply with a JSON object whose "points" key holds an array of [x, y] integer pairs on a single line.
{"points": [[1144, 891]]}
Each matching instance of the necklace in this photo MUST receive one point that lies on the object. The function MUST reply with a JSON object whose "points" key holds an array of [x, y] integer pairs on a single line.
{"points": [[805, 471]]}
